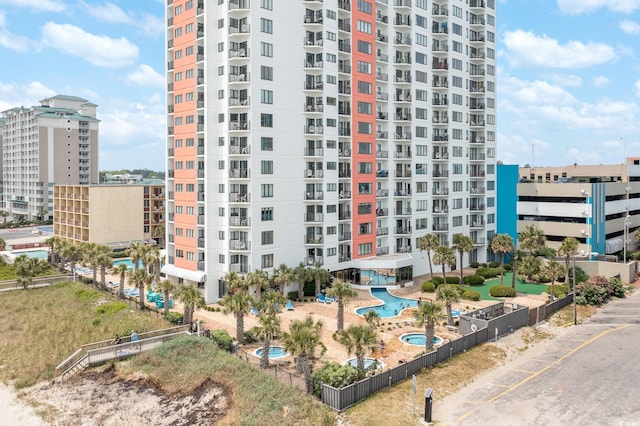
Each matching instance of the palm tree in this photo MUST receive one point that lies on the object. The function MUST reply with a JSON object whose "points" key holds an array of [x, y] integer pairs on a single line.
{"points": [[3, 243], [357, 338], [238, 303], [151, 260], [342, 291], [531, 239], [103, 261], [71, 252], [429, 314], [235, 282], [568, 248], [166, 287], [191, 299], [462, 243], [53, 243], [448, 294], [428, 243], [268, 327], [444, 256], [259, 280], [139, 279], [23, 270], [135, 252], [121, 270], [320, 275], [282, 276], [502, 244], [553, 270], [303, 274], [528, 267], [372, 318], [301, 341]]}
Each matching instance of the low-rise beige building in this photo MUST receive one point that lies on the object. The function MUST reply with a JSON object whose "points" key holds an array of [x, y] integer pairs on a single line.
{"points": [[115, 215]]}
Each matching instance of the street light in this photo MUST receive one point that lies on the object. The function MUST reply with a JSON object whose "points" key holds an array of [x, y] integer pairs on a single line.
{"points": [[627, 223], [575, 310]]}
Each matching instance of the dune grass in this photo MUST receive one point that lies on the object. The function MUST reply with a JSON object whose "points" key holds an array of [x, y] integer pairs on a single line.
{"points": [[41, 327], [184, 364]]}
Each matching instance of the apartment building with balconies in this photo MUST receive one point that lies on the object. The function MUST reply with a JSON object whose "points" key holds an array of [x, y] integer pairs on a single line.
{"points": [[331, 132], [53, 143]]}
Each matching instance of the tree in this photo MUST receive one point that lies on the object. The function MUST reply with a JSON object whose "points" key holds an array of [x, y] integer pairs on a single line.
{"points": [[71, 252], [166, 287], [3, 243], [139, 279], [103, 261], [53, 243], [357, 338], [529, 267], [342, 291], [135, 252], [302, 341], [259, 280], [532, 239], [191, 299], [151, 260], [462, 243], [235, 282], [448, 295], [372, 318], [502, 244], [320, 275], [27, 268], [429, 243], [444, 256], [282, 276], [91, 254], [121, 270], [553, 270], [268, 327], [428, 315], [568, 248], [303, 274], [239, 304]]}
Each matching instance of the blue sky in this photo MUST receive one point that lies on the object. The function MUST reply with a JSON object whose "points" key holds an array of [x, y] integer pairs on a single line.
{"points": [[568, 75]]}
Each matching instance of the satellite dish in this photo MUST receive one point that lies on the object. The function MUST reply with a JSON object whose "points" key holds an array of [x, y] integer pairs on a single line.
{"points": [[474, 328]]}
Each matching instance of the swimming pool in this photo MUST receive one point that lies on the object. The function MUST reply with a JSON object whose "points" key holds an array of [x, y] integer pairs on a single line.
{"points": [[37, 254], [391, 305], [368, 363], [46, 229], [419, 339], [274, 352], [376, 278], [127, 262]]}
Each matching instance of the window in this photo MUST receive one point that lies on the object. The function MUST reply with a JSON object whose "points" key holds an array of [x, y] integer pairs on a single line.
{"points": [[178, 32], [421, 113], [457, 99], [221, 259], [364, 188], [266, 96], [331, 14], [221, 211], [266, 73], [178, 99], [266, 144], [267, 261], [266, 190], [457, 12], [266, 120], [188, 28], [178, 165], [179, 210], [189, 210], [457, 221], [457, 186], [457, 81], [331, 36], [457, 29], [422, 150], [421, 132], [364, 168], [266, 4], [220, 23], [188, 5], [331, 57], [179, 232], [364, 128], [364, 26], [456, 116], [179, 121], [364, 67], [364, 107], [421, 58], [364, 47], [266, 214], [190, 187], [422, 77], [266, 167], [331, 208], [267, 237], [364, 87], [456, 64], [422, 95], [179, 253], [366, 248], [422, 39], [266, 49], [365, 228], [178, 54], [188, 74], [364, 148], [189, 233], [456, 151], [456, 134], [364, 6], [332, 187], [266, 25], [457, 46], [457, 169], [364, 208], [421, 21], [221, 47]]}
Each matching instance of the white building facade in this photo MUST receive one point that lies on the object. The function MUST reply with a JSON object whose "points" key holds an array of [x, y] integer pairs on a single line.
{"points": [[331, 132], [55, 142]]}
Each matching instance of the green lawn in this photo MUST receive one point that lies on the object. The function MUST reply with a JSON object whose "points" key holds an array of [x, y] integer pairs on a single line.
{"points": [[521, 287]]}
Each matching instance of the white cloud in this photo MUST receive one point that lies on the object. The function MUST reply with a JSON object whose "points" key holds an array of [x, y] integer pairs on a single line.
{"points": [[527, 49], [534, 93], [101, 51], [145, 76], [629, 27], [577, 7], [12, 41], [37, 5], [108, 12], [151, 25], [13, 95], [637, 86], [601, 81], [566, 80]]}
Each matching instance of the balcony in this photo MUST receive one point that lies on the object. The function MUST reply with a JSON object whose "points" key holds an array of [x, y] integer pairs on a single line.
{"points": [[313, 174], [344, 215], [402, 231], [382, 154], [239, 125], [314, 196], [403, 211], [344, 257], [239, 53], [403, 249], [234, 102], [440, 227], [239, 4], [239, 221], [382, 193], [314, 217], [242, 29], [344, 236], [239, 150], [239, 268], [344, 195], [402, 193], [382, 251], [313, 239], [313, 130], [382, 135], [440, 173], [381, 212], [314, 152], [344, 173], [440, 191], [311, 261], [239, 173], [403, 173], [239, 245], [477, 207], [477, 190], [239, 197]]}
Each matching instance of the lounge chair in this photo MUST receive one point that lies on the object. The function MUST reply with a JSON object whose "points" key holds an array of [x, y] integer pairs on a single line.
{"points": [[289, 305], [321, 299], [331, 299], [254, 311]]}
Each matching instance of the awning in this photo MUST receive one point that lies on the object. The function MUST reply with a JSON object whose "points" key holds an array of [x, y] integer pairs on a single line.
{"points": [[614, 245], [187, 274]]}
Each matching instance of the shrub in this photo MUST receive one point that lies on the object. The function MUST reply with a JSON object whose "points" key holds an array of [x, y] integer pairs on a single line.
{"points": [[581, 275], [457, 287], [615, 288], [494, 264], [470, 295], [453, 280], [474, 265], [590, 294], [560, 290], [310, 289], [292, 295], [250, 336], [508, 267], [472, 280], [502, 291], [427, 287], [334, 374], [223, 340], [111, 307], [488, 272], [175, 317], [438, 280]]}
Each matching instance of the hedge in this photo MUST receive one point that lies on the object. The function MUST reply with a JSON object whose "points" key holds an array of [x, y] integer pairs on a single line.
{"points": [[474, 265], [453, 280], [488, 272], [560, 289], [472, 280], [470, 295], [427, 287], [502, 291], [493, 264], [438, 280]]}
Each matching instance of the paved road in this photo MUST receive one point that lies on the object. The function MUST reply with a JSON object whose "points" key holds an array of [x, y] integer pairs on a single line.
{"points": [[588, 375]]}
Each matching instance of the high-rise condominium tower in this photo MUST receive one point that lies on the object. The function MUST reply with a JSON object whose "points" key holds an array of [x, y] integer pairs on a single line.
{"points": [[333, 133]]}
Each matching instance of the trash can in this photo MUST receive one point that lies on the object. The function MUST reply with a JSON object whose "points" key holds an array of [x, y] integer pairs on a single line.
{"points": [[428, 404]]}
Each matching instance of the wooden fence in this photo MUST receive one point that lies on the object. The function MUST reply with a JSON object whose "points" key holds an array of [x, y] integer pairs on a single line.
{"points": [[35, 282]]}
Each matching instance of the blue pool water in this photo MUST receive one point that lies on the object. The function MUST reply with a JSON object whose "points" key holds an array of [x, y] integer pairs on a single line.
{"points": [[127, 262], [419, 339], [368, 362], [274, 352], [391, 305], [37, 254], [375, 278], [46, 229]]}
